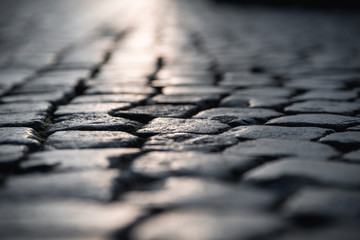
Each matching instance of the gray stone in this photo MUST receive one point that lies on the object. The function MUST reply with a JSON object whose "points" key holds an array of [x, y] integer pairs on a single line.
{"points": [[167, 164], [93, 122], [276, 148], [65, 160], [90, 139], [327, 95], [343, 140], [355, 128], [318, 106], [38, 107], [116, 89], [188, 142], [183, 192], [276, 132], [86, 185], [55, 97], [203, 90], [352, 156], [42, 88], [177, 125], [246, 80], [64, 220], [149, 112], [197, 224], [90, 108], [316, 120], [329, 173], [111, 98], [28, 119], [315, 83], [183, 81], [238, 116], [19, 136], [10, 155], [12, 78], [201, 101], [310, 203], [266, 92], [254, 102]]}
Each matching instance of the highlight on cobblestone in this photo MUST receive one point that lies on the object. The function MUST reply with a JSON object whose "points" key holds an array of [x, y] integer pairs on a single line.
{"points": [[179, 120]]}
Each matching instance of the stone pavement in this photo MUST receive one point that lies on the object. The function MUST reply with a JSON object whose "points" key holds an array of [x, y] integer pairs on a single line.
{"points": [[178, 119]]}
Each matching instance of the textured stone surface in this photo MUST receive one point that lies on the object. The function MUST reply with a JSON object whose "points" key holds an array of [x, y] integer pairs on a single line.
{"points": [[115, 89], [195, 91], [11, 154], [55, 97], [246, 80], [65, 160], [343, 140], [39, 107], [276, 132], [329, 173], [188, 142], [201, 101], [353, 156], [266, 92], [93, 122], [194, 192], [327, 95], [316, 120], [90, 108], [29, 119], [146, 113], [86, 185], [323, 203], [316, 106], [64, 220], [166, 164], [210, 225], [19, 136], [174, 125], [282, 148], [90, 139], [238, 116], [111, 98], [255, 102]]}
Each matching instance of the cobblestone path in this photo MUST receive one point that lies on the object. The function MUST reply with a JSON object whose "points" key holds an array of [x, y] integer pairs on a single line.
{"points": [[189, 120]]}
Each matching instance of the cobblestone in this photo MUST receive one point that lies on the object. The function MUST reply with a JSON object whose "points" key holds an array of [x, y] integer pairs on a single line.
{"points": [[111, 98], [343, 140], [28, 119], [90, 139], [39, 107], [201, 101], [90, 108], [10, 155], [352, 156], [19, 136], [327, 95]]}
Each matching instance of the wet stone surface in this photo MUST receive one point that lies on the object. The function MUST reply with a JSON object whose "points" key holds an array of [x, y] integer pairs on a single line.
{"points": [[28, 119], [19, 136], [90, 139]]}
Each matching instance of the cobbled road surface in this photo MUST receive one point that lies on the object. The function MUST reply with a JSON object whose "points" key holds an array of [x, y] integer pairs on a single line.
{"points": [[179, 120]]}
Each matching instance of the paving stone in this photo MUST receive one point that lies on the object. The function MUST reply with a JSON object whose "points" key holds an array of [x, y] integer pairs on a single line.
{"points": [[329, 173], [327, 95], [64, 220], [276, 132], [238, 116], [93, 122], [266, 92], [28, 119], [246, 80], [254, 102], [183, 81], [86, 185], [203, 101], [111, 98], [115, 89], [312, 203], [275, 148], [206, 90], [315, 83], [317, 106], [316, 120], [42, 88], [352, 156], [183, 192], [90, 139], [10, 155], [149, 112], [176, 125], [38, 107], [188, 142], [355, 128], [11, 78], [55, 97], [195, 224], [19, 136], [343, 140], [167, 164], [90, 108], [65, 160]]}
